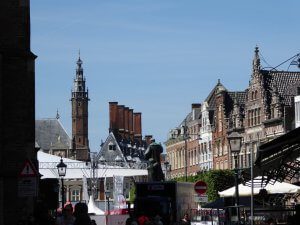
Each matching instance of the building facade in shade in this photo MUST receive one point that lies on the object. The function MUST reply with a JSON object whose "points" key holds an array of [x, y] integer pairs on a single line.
{"points": [[79, 100], [176, 148], [17, 111], [269, 107]]}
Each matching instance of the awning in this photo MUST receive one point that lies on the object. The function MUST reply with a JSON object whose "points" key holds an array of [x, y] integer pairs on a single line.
{"points": [[276, 188]]}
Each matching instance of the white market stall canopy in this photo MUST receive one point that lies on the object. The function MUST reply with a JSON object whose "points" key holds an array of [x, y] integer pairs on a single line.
{"points": [[276, 188], [78, 169]]}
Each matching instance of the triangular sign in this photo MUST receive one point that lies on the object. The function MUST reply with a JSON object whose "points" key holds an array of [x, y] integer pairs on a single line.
{"points": [[28, 170]]}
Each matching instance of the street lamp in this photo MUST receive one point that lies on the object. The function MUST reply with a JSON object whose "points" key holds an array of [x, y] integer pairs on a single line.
{"points": [[62, 168], [168, 168], [235, 143], [107, 194], [186, 136]]}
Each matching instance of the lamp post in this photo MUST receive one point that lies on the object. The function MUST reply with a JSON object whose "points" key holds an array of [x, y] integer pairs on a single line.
{"points": [[167, 165], [107, 193], [185, 136], [235, 143], [62, 168]]}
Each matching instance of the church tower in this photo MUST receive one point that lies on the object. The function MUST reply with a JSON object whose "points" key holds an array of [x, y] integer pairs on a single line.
{"points": [[80, 98]]}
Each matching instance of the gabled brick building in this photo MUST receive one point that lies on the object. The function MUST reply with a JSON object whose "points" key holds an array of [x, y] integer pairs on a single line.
{"points": [[228, 115]]}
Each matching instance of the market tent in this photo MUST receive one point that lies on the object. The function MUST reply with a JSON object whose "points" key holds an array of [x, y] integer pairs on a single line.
{"points": [[93, 209], [78, 169], [276, 188]]}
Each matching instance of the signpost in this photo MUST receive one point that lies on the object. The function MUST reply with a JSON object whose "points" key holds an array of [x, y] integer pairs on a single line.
{"points": [[200, 188]]}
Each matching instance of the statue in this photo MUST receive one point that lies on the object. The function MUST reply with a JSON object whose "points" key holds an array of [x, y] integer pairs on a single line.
{"points": [[152, 154]]}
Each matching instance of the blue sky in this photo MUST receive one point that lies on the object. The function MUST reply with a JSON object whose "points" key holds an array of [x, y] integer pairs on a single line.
{"points": [[155, 56]]}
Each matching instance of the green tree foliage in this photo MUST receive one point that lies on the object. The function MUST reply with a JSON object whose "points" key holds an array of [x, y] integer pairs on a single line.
{"points": [[216, 180], [132, 194]]}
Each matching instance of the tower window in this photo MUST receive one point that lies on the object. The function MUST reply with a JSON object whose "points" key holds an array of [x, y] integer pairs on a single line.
{"points": [[111, 146], [79, 139]]}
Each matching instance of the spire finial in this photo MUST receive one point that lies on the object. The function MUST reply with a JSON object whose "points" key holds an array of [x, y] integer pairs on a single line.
{"points": [[79, 61], [57, 115]]}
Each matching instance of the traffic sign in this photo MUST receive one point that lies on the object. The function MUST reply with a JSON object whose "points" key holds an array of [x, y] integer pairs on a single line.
{"points": [[201, 198], [28, 170], [200, 187]]}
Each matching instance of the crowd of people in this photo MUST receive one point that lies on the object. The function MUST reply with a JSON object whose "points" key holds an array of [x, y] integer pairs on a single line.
{"points": [[143, 219], [78, 215], [68, 216]]}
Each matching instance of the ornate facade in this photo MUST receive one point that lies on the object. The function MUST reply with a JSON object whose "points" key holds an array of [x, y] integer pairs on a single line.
{"points": [[269, 108]]}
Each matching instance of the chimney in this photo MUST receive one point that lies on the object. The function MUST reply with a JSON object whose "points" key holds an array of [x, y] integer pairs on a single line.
{"points": [[148, 139], [121, 127], [137, 126], [126, 122], [131, 132], [194, 107], [113, 116]]}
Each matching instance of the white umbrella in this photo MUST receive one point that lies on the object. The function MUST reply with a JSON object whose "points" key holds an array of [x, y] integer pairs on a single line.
{"points": [[276, 188]]}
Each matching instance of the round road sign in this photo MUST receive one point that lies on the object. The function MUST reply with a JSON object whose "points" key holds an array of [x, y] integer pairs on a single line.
{"points": [[200, 187]]}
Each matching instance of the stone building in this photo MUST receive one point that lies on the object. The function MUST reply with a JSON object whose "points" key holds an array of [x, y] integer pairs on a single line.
{"points": [[17, 112]]}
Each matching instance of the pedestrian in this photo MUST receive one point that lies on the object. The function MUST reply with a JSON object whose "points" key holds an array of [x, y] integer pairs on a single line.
{"points": [[81, 214], [185, 220], [142, 219], [67, 217], [157, 220]]}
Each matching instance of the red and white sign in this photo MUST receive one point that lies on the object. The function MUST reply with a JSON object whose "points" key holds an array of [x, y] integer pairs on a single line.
{"points": [[28, 170], [200, 187]]}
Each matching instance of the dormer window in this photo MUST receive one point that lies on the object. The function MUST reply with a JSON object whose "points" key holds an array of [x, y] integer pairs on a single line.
{"points": [[111, 146]]}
